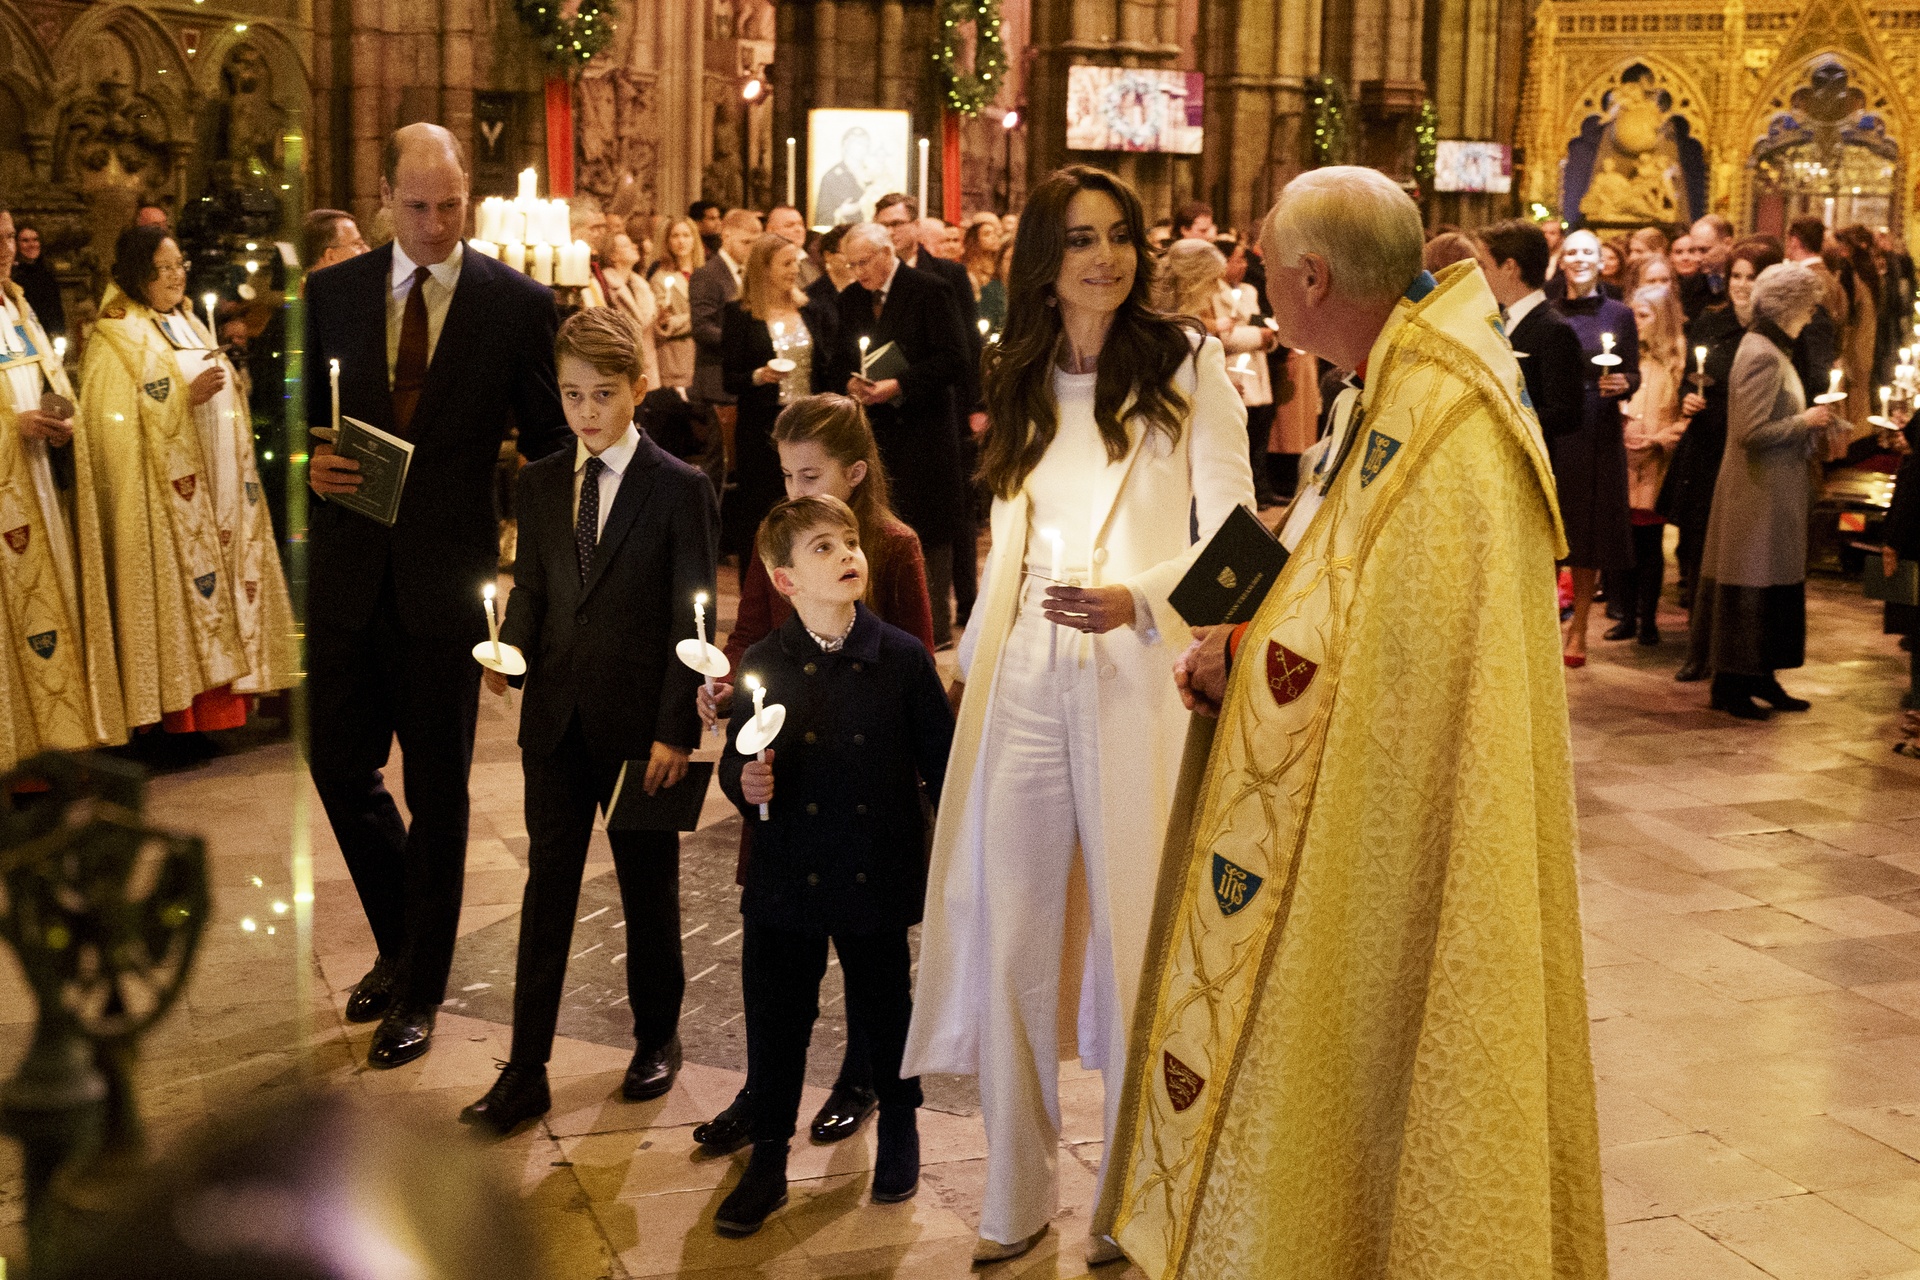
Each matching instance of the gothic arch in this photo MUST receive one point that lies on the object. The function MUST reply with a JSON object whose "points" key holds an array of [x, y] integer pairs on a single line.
{"points": [[1866, 74], [142, 47], [1685, 90], [292, 84], [1635, 145], [23, 62]]}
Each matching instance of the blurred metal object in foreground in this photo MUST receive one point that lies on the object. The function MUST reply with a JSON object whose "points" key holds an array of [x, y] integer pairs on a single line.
{"points": [[105, 915]]}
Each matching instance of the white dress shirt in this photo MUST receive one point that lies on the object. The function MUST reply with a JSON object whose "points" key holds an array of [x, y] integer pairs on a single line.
{"points": [[739, 271], [1518, 311], [441, 279], [618, 456]]}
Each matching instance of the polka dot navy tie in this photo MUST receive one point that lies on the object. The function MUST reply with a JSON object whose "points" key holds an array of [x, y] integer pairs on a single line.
{"points": [[586, 530]]}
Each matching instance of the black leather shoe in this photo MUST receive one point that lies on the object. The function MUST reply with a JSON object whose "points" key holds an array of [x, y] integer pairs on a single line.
{"points": [[1770, 692], [842, 1114], [1734, 697], [762, 1189], [372, 994], [1619, 631], [519, 1094], [651, 1072], [1690, 673], [1649, 634], [727, 1132], [404, 1034], [896, 1165]]}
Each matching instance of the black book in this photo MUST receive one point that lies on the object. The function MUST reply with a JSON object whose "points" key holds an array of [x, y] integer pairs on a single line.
{"points": [[884, 362], [674, 808], [1235, 571], [1902, 588], [384, 459]]}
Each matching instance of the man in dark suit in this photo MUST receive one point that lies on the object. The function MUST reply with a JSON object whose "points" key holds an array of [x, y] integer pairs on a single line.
{"points": [[435, 345], [913, 415], [1818, 346], [709, 290], [900, 215], [617, 537], [1514, 260]]}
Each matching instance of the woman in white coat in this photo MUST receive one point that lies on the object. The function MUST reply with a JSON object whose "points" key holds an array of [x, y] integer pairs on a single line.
{"points": [[1115, 434]]}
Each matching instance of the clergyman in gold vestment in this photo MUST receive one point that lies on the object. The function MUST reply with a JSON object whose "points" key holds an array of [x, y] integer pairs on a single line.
{"points": [[1361, 1050]]}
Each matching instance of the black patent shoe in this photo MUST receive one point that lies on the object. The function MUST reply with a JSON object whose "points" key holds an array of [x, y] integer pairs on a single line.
{"points": [[1734, 698], [1649, 634], [651, 1072], [727, 1132], [842, 1114], [1779, 699], [896, 1165], [1619, 631], [1690, 673], [404, 1034], [761, 1191], [372, 994], [519, 1094]]}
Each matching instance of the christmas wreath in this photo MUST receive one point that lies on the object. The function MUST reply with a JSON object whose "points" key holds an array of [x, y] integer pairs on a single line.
{"points": [[969, 90], [567, 42]]}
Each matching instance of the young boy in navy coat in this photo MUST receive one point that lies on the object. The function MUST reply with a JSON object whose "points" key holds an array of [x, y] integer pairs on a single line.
{"points": [[842, 854], [616, 537]]}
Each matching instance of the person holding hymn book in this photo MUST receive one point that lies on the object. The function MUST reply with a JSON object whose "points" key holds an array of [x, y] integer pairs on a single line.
{"points": [[825, 448], [841, 855], [617, 537]]}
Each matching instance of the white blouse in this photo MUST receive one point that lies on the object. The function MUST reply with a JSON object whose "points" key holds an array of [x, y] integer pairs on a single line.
{"points": [[1060, 488]]}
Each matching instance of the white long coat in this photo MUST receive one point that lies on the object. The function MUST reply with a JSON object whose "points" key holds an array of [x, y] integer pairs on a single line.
{"points": [[1142, 535]]}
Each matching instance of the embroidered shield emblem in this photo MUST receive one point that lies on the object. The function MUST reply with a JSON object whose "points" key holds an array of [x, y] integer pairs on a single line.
{"points": [[253, 589], [44, 643], [1233, 885], [1227, 577], [1183, 1082], [1380, 451], [185, 486], [19, 538], [159, 389], [253, 491], [1288, 674], [204, 585]]}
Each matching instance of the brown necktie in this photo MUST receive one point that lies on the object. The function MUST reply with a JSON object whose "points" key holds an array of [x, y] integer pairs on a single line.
{"points": [[410, 367], [879, 304]]}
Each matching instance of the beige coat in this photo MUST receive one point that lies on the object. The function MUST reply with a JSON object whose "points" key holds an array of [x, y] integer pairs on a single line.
{"points": [[674, 348], [1142, 538], [1653, 426]]}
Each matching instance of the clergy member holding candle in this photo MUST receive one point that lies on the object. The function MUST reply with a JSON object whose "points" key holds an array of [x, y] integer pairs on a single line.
{"points": [[617, 542], [1590, 465], [392, 622]]}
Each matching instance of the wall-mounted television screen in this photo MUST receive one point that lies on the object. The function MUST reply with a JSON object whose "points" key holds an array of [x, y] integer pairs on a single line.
{"points": [[1133, 109], [1472, 166]]}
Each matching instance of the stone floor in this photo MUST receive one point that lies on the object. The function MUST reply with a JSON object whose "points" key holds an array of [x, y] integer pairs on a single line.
{"points": [[1752, 898]]}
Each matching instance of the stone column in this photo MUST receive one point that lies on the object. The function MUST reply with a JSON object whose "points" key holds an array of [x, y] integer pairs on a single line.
{"points": [[682, 45], [1386, 84], [1257, 58]]}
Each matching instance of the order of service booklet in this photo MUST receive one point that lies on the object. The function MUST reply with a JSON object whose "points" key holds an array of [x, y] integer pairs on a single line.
{"points": [[674, 808], [1235, 571], [384, 459]]}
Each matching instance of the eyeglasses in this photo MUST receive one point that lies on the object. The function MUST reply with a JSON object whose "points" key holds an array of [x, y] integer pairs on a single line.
{"points": [[163, 268]]}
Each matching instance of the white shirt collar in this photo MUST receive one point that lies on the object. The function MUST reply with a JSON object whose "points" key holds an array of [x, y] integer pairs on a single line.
{"points": [[446, 272], [892, 271], [617, 456], [732, 266], [1518, 311]]}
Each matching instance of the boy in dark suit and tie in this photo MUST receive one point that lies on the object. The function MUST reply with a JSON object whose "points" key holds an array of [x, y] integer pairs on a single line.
{"points": [[842, 855], [616, 538], [1514, 259]]}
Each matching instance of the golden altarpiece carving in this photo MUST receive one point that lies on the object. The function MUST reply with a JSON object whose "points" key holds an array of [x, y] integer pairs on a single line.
{"points": [[1659, 111]]}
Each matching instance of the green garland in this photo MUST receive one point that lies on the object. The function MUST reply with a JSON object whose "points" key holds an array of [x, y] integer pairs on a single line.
{"points": [[569, 43], [969, 91], [1329, 104], [1426, 133]]}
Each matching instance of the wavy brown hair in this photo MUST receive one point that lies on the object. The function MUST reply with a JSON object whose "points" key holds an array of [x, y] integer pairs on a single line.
{"points": [[1143, 351], [839, 426]]}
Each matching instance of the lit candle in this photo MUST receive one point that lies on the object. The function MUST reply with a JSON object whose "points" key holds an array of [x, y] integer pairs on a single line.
{"points": [[700, 630], [493, 620], [1700, 360], [542, 263], [792, 151], [1606, 343], [529, 183], [985, 325], [333, 380], [1906, 355], [514, 254], [212, 328], [924, 145], [759, 706], [1833, 381], [1058, 544], [60, 350], [863, 355], [1886, 398]]}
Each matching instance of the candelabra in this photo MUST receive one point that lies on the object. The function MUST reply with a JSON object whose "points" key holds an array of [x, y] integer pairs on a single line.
{"points": [[105, 915]]}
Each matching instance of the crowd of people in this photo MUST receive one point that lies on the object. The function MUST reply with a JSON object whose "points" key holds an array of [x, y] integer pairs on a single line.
{"points": [[838, 412]]}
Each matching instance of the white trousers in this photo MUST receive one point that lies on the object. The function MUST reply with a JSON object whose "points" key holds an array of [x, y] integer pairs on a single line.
{"points": [[1042, 810]]}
